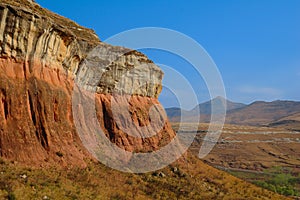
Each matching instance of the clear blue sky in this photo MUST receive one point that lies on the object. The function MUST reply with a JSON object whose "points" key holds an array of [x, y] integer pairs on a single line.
{"points": [[255, 43]]}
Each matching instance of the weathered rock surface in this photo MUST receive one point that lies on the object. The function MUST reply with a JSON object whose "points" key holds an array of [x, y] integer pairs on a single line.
{"points": [[109, 69], [41, 54]]}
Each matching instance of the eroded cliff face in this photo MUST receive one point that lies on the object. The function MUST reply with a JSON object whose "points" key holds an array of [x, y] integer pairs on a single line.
{"points": [[41, 55]]}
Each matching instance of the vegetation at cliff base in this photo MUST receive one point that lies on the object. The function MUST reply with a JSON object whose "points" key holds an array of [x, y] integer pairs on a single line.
{"points": [[281, 180]]}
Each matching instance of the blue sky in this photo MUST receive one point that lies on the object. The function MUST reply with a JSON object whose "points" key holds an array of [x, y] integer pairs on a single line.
{"points": [[254, 43]]}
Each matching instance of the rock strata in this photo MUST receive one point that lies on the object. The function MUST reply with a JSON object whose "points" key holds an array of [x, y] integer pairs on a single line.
{"points": [[41, 55]]}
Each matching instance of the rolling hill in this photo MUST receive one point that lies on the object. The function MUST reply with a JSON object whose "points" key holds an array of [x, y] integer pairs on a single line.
{"points": [[262, 113], [257, 113], [205, 108], [291, 122]]}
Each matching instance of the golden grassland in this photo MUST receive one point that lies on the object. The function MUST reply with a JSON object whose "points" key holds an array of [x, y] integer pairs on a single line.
{"points": [[187, 178]]}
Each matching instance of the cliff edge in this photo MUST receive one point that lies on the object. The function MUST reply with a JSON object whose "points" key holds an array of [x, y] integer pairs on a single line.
{"points": [[41, 55]]}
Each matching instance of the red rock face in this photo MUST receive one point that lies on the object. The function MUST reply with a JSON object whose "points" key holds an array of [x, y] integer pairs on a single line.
{"points": [[139, 115], [40, 57], [36, 122], [36, 117]]}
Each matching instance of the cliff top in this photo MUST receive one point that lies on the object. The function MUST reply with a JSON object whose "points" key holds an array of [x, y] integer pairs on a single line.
{"points": [[30, 32], [60, 22]]}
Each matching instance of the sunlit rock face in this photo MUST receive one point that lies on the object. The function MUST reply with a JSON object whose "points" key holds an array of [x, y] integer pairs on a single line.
{"points": [[42, 57]]}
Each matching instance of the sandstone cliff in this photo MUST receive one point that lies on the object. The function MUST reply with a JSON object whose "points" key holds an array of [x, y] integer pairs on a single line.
{"points": [[41, 55]]}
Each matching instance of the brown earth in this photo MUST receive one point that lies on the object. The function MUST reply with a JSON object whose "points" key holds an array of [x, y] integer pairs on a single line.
{"points": [[252, 148], [291, 122]]}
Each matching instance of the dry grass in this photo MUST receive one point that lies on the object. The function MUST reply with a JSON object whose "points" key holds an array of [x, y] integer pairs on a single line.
{"points": [[188, 178]]}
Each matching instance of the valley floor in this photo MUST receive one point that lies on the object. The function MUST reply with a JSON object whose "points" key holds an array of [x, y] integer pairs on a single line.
{"points": [[268, 157]]}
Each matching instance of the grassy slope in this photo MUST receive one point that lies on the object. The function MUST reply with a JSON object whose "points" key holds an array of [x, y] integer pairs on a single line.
{"points": [[277, 179], [192, 180]]}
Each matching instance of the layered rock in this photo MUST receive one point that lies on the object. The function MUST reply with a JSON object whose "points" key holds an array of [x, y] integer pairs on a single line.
{"points": [[41, 55]]}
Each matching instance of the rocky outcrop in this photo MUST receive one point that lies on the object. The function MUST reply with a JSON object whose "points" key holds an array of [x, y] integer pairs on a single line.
{"points": [[41, 55], [28, 32], [110, 69]]}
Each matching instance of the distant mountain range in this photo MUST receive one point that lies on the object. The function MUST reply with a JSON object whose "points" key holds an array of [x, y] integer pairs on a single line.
{"points": [[276, 113], [219, 104]]}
